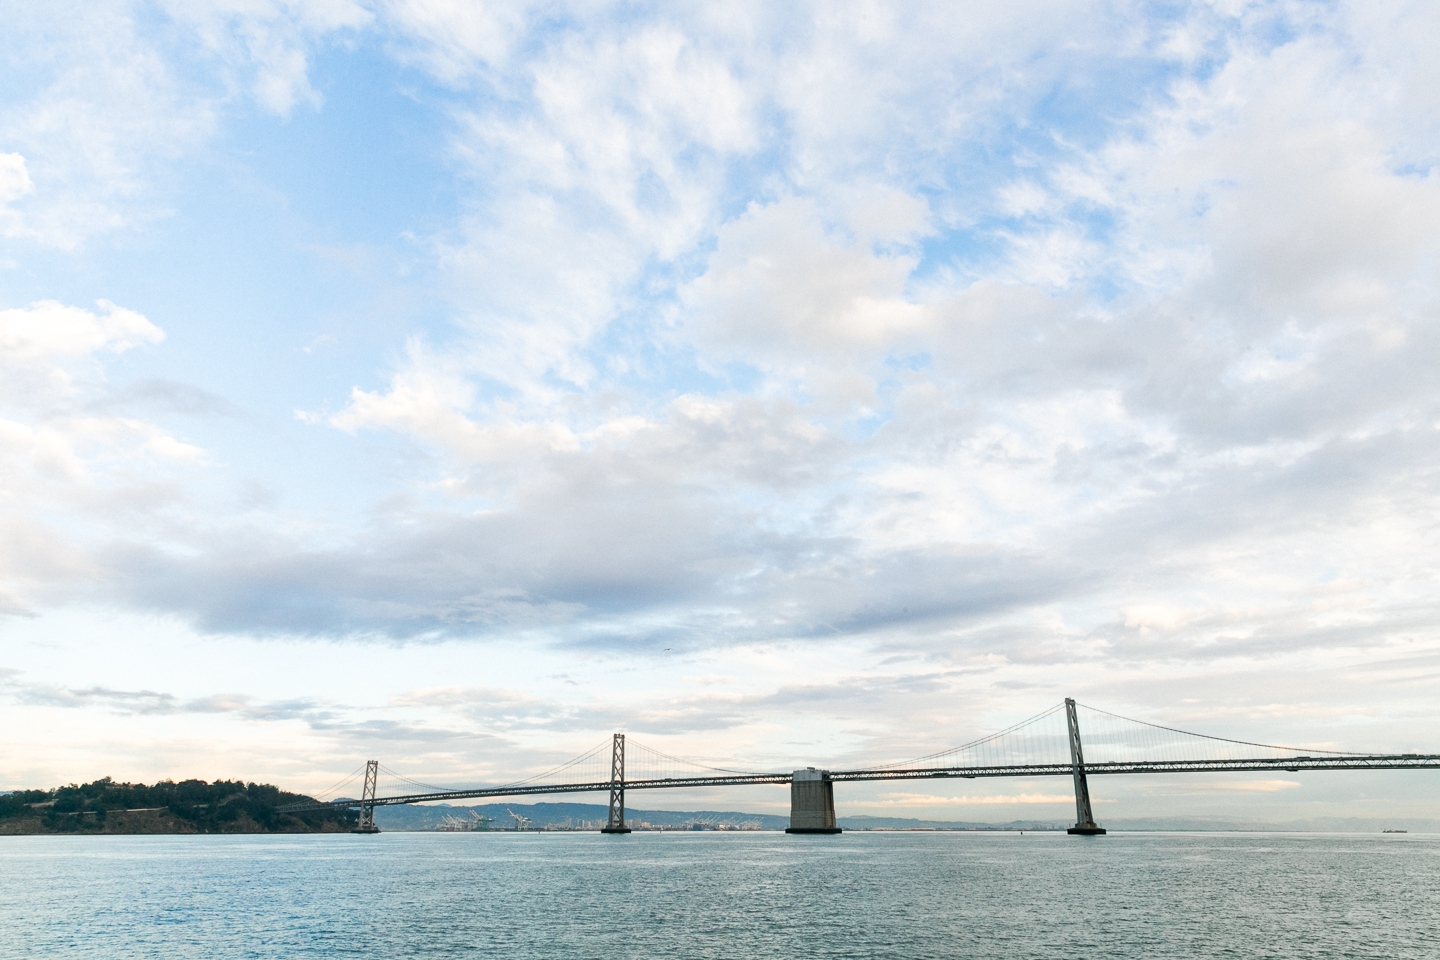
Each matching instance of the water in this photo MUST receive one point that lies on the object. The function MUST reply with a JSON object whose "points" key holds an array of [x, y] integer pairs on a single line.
{"points": [[730, 895]]}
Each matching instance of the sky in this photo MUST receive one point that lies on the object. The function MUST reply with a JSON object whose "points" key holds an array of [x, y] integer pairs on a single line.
{"points": [[455, 383]]}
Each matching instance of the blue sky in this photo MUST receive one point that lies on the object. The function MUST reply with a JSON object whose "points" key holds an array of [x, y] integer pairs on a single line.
{"points": [[454, 384]]}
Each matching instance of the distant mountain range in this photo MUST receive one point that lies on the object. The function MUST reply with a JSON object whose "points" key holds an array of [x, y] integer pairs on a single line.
{"points": [[562, 815], [1314, 825], [588, 815]]}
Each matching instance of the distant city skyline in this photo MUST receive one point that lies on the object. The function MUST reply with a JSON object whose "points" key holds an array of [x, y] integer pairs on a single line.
{"points": [[825, 384]]}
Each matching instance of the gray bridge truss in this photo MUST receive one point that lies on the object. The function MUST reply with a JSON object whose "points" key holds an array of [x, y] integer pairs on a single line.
{"points": [[812, 805]]}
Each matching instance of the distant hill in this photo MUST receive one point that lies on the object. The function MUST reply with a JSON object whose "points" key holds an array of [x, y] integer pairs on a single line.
{"points": [[907, 823], [1315, 825], [592, 816], [190, 806], [563, 816]]}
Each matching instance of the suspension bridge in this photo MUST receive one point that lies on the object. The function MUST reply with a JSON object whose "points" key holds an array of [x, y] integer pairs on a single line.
{"points": [[1047, 744]]}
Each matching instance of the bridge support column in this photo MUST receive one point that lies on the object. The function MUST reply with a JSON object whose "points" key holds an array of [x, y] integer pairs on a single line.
{"points": [[1085, 825], [367, 799], [812, 802], [616, 823]]}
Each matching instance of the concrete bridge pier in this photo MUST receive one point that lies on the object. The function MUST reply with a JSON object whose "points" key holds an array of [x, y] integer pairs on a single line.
{"points": [[812, 802]]}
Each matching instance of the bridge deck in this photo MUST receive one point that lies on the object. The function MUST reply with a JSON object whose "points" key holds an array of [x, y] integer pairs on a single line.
{"points": [[1404, 761]]}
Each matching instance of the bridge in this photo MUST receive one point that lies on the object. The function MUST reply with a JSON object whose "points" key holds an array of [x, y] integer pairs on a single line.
{"points": [[1047, 744]]}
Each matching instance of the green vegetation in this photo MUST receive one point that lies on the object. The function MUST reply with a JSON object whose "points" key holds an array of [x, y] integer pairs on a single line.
{"points": [[190, 806]]}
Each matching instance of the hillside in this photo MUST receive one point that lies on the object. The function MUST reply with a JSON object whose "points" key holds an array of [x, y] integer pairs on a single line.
{"points": [[190, 806]]}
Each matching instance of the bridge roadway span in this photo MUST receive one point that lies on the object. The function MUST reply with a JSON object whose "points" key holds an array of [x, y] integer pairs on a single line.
{"points": [[1405, 761], [812, 791]]}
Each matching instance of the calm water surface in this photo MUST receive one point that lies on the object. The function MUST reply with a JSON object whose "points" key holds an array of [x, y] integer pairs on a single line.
{"points": [[722, 895]]}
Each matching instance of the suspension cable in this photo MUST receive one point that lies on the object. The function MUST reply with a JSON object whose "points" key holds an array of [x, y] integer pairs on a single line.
{"points": [[513, 783], [649, 749], [355, 773], [974, 743], [1206, 736]]}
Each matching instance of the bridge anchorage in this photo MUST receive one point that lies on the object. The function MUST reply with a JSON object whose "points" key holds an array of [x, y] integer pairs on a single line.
{"points": [[1047, 744]]}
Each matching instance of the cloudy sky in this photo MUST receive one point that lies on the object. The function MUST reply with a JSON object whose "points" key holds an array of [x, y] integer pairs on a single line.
{"points": [[454, 383]]}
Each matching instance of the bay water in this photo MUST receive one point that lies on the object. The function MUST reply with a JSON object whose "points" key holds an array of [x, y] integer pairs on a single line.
{"points": [[722, 895]]}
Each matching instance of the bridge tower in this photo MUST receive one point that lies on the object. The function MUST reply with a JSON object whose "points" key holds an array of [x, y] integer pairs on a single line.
{"points": [[367, 799], [1085, 825], [812, 802], [616, 823]]}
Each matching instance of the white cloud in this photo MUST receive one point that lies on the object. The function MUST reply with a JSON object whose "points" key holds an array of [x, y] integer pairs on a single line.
{"points": [[14, 178], [59, 459], [14, 184], [784, 293], [1010, 412], [108, 102], [100, 110], [49, 330], [1245, 786], [270, 41]]}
